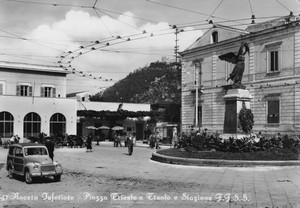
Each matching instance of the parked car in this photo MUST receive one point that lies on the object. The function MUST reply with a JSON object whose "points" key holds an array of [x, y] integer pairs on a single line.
{"points": [[31, 160]]}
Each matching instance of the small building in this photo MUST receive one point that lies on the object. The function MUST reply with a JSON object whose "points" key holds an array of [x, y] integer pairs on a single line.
{"points": [[272, 76], [33, 100], [130, 125]]}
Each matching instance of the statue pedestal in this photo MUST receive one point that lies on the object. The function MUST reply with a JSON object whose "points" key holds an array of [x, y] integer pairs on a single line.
{"points": [[234, 100]]}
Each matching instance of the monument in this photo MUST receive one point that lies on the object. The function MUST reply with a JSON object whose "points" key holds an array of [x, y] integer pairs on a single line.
{"points": [[236, 95]]}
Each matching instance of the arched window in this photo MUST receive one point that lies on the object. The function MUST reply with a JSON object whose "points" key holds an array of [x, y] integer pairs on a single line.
{"points": [[57, 124], [214, 37], [32, 125], [6, 125]]}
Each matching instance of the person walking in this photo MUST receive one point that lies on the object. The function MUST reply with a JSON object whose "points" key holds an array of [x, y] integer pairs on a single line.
{"points": [[50, 147], [89, 143], [152, 141], [119, 140], [115, 140], [130, 144]]}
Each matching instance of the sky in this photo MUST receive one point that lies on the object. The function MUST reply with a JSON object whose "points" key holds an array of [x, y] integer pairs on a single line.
{"points": [[102, 41]]}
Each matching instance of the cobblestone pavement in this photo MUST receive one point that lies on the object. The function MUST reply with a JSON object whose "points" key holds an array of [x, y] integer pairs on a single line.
{"points": [[144, 183]]}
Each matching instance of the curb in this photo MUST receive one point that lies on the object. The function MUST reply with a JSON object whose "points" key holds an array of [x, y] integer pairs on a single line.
{"points": [[219, 163]]}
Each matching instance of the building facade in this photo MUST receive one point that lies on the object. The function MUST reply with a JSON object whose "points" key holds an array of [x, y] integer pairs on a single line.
{"points": [[272, 72], [33, 100]]}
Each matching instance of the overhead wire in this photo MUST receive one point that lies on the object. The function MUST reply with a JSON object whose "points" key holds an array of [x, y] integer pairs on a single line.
{"points": [[183, 9], [211, 15], [132, 26], [130, 36], [283, 5], [94, 8]]}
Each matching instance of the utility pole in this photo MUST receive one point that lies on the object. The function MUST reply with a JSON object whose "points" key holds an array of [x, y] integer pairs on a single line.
{"points": [[176, 48]]}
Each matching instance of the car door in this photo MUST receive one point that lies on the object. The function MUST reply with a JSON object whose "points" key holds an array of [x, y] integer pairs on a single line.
{"points": [[18, 160], [10, 156]]}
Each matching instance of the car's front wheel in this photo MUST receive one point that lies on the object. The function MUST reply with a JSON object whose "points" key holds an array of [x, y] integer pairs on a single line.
{"points": [[10, 173], [28, 178]]}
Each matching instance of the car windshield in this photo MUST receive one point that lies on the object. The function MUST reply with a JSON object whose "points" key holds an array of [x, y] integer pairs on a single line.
{"points": [[35, 151]]}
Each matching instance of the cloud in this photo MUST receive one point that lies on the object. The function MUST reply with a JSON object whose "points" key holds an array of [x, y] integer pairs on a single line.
{"points": [[80, 28]]}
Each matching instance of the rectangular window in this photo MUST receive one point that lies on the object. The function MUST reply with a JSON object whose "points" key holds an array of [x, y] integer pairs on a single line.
{"points": [[273, 57], [19, 152], [200, 115], [273, 112], [48, 91], [274, 61], [24, 90]]}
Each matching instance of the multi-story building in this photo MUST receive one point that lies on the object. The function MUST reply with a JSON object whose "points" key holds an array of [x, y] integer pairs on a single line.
{"points": [[272, 76], [33, 100]]}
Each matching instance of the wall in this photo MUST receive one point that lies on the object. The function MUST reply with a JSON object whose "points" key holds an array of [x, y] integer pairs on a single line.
{"points": [[45, 107], [36, 79]]}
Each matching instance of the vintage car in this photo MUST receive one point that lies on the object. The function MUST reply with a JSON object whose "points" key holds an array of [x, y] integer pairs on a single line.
{"points": [[31, 160]]}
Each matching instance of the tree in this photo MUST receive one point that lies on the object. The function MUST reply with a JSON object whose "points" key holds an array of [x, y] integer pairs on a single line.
{"points": [[245, 119]]}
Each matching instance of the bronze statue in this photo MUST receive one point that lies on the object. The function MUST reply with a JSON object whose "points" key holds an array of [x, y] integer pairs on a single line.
{"points": [[239, 61]]}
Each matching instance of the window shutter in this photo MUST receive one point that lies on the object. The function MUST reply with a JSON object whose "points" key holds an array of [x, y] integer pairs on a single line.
{"points": [[53, 92], [1, 89], [42, 92], [18, 90], [30, 90]]}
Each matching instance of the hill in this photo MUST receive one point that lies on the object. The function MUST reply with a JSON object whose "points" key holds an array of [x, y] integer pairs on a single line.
{"points": [[158, 83]]}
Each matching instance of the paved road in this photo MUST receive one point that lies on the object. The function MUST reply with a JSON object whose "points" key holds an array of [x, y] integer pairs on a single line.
{"points": [[184, 186]]}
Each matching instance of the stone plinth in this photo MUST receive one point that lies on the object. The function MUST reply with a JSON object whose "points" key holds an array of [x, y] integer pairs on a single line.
{"points": [[234, 100]]}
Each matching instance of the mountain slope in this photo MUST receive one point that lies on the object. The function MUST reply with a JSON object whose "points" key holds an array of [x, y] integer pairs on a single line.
{"points": [[158, 83]]}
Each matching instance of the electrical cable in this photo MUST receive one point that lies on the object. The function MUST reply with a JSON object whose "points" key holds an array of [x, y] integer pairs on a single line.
{"points": [[283, 5], [134, 27], [211, 15], [103, 23]]}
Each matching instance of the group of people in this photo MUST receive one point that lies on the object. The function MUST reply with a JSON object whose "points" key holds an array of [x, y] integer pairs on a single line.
{"points": [[154, 141], [129, 142], [117, 140]]}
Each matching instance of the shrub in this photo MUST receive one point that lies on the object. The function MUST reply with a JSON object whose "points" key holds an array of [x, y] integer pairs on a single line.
{"points": [[245, 119], [247, 145]]}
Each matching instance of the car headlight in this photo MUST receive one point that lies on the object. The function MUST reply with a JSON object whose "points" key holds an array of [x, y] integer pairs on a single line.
{"points": [[35, 167], [58, 166]]}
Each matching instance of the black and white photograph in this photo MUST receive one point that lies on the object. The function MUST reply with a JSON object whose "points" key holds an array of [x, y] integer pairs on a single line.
{"points": [[149, 103]]}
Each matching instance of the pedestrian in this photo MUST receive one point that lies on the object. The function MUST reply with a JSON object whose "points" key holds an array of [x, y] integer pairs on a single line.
{"points": [[115, 140], [157, 141], [152, 140], [89, 143], [50, 147], [175, 140], [119, 140], [98, 139], [130, 144]]}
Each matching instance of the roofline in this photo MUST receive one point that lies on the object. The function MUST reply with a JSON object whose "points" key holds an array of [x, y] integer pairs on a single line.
{"points": [[241, 38], [32, 67]]}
